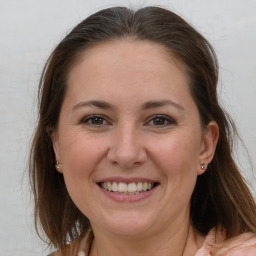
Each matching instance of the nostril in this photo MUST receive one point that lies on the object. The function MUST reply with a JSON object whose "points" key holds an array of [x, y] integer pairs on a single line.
{"points": [[126, 153]]}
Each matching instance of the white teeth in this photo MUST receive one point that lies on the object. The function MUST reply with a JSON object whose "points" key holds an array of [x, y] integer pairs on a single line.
{"points": [[144, 186], [139, 186], [124, 188], [132, 187], [114, 186], [109, 187]]}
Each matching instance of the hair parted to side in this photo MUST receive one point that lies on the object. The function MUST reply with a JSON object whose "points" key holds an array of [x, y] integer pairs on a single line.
{"points": [[221, 196]]}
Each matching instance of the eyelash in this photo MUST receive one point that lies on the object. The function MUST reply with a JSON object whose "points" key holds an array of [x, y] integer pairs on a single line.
{"points": [[89, 119], [167, 121]]}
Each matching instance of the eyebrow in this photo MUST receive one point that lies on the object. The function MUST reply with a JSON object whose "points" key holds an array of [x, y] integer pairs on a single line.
{"points": [[161, 103], [93, 103], [147, 105]]}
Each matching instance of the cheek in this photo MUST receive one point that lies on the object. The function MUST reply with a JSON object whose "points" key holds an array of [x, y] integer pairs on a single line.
{"points": [[177, 158], [80, 154], [177, 154]]}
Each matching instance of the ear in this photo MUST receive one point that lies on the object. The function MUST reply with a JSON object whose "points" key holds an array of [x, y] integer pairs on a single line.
{"points": [[54, 138], [208, 145]]}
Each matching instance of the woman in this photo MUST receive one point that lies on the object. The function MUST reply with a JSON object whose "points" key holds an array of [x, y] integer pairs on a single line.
{"points": [[132, 153]]}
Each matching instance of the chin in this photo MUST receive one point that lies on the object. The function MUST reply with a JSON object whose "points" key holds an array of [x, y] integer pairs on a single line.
{"points": [[129, 225]]}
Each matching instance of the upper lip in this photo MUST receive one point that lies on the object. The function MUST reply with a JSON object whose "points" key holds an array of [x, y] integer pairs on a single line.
{"points": [[126, 180]]}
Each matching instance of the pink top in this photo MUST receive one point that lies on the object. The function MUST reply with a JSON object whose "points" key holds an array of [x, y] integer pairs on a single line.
{"points": [[214, 245]]}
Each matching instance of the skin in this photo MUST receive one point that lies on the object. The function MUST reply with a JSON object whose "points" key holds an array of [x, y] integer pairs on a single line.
{"points": [[127, 140]]}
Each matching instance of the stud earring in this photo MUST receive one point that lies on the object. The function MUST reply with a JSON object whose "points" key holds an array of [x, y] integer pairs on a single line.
{"points": [[57, 166], [203, 166]]}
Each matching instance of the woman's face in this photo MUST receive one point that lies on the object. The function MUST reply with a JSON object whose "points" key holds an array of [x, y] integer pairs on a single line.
{"points": [[129, 139]]}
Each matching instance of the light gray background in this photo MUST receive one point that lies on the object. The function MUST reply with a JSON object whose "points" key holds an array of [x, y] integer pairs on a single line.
{"points": [[29, 30]]}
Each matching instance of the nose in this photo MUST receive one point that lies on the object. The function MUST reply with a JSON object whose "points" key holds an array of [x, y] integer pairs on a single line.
{"points": [[127, 149]]}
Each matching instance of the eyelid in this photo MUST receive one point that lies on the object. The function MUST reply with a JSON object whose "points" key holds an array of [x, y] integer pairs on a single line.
{"points": [[166, 117], [85, 120], [170, 121]]}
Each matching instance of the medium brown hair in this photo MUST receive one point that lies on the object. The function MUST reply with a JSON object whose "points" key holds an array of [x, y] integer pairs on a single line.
{"points": [[220, 197]]}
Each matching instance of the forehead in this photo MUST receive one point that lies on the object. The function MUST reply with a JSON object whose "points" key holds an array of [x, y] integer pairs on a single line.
{"points": [[125, 56], [127, 74]]}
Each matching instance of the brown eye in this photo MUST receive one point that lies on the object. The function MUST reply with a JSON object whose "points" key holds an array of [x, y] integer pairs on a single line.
{"points": [[95, 121], [160, 120]]}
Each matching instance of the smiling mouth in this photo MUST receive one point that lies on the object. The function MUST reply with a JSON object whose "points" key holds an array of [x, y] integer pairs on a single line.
{"points": [[132, 188]]}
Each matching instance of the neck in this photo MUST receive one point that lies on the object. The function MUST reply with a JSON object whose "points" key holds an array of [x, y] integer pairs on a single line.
{"points": [[179, 240]]}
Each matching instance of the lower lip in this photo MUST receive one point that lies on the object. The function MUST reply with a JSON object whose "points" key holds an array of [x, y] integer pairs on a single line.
{"points": [[128, 198]]}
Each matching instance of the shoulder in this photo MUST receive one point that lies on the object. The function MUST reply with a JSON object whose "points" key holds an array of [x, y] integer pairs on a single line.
{"points": [[244, 244], [71, 249], [81, 247], [216, 244]]}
